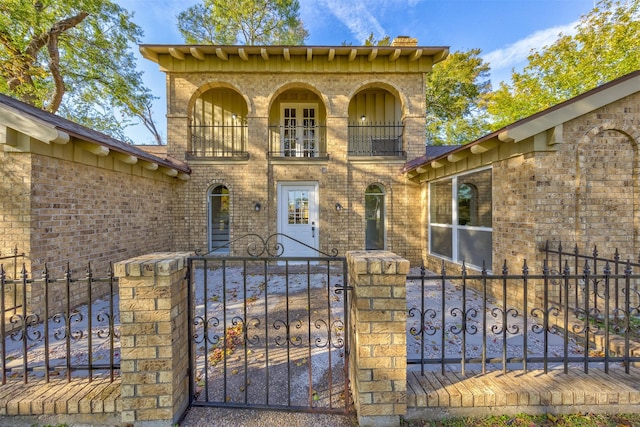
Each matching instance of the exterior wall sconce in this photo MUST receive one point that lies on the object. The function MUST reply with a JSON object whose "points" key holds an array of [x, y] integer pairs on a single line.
{"points": [[257, 207], [338, 207], [363, 118]]}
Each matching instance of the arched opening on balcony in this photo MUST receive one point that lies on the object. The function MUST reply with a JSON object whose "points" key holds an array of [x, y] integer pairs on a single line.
{"points": [[375, 124], [218, 125], [297, 125]]}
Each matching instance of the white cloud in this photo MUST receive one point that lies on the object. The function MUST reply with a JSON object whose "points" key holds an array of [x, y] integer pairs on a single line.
{"points": [[356, 15], [516, 53], [359, 16]]}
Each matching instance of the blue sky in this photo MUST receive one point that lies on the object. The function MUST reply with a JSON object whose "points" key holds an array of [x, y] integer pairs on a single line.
{"points": [[505, 30]]}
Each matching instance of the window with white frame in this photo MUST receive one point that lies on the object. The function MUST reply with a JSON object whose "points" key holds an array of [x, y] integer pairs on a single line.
{"points": [[460, 216]]}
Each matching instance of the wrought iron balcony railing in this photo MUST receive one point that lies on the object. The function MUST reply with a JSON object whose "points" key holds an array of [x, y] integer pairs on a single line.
{"points": [[298, 141], [218, 141], [376, 140]]}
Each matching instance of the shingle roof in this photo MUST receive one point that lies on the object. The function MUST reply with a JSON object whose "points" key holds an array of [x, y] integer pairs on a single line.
{"points": [[90, 135]]}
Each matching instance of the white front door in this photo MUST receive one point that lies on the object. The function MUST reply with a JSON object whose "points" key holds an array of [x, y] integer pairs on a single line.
{"points": [[298, 218]]}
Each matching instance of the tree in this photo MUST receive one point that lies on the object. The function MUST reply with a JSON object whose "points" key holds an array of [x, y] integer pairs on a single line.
{"points": [[371, 41], [606, 46], [73, 57], [455, 90], [247, 22]]}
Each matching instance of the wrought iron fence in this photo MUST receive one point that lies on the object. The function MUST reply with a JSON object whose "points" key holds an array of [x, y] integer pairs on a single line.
{"points": [[378, 139], [298, 141], [269, 331], [219, 140], [526, 321], [12, 293], [52, 337]]}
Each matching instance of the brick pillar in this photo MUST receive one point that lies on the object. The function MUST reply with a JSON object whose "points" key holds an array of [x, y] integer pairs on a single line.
{"points": [[153, 335], [378, 340]]}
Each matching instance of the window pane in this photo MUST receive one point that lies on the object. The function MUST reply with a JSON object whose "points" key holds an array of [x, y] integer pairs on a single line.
{"points": [[474, 199], [441, 241], [474, 247], [219, 216], [374, 207], [440, 203]]}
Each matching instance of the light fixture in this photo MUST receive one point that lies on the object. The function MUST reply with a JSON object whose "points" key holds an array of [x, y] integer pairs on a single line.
{"points": [[363, 118], [338, 207], [257, 207], [234, 116]]}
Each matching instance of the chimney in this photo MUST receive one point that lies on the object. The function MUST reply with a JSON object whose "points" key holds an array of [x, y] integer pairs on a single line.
{"points": [[404, 41]]}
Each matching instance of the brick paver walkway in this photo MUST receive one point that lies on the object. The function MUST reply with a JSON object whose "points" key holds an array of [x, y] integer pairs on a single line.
{"points": [[533, 392], [60, 397]]}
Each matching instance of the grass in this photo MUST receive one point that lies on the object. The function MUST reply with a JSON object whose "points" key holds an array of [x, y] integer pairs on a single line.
{"points": [[522, 420]]}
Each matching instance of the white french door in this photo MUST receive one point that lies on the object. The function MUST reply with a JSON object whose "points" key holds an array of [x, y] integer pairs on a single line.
{"points": [[299, 136], [298, 218]]}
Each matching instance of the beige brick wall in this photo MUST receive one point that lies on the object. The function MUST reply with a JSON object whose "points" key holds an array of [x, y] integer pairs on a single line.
{"points": [[582, 190], [340, 179], [155, 347], [377, 336], [61, 204]]}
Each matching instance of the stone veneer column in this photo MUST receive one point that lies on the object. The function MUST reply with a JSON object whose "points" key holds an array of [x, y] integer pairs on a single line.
{"points": [[378, 354], [154, 340]]}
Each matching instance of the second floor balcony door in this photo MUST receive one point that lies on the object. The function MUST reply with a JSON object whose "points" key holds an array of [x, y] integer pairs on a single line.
{"points": [[299, 138]]}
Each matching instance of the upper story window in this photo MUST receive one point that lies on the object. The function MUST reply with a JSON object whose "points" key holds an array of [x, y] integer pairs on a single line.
{"points": [[218, 126], [375, 124], [460, 218], [296, 129]]}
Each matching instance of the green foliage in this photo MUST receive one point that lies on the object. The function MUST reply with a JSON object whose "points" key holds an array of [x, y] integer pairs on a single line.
{"points": [[454, 92], [73, 57], [606, 46], [249, 22], [371, 41]]}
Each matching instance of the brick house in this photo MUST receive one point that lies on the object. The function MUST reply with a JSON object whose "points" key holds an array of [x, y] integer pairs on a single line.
{"points": [[325, 144], [307, 141], [71, 195], [569, 174]]}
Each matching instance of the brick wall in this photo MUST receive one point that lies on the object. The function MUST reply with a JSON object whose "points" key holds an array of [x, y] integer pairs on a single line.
{"points": [[61, 204], [340, 179], [583, 189]]}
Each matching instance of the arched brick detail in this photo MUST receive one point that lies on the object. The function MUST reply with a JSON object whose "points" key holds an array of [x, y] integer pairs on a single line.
{"points": [[607, 199]]}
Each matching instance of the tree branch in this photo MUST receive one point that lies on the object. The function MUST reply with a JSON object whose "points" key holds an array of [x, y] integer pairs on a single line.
{"points": [[54, 67]]}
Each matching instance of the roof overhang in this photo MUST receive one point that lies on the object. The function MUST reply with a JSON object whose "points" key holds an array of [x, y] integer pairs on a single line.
{"points": [[244, 53], [546, 124], [51, 129]]}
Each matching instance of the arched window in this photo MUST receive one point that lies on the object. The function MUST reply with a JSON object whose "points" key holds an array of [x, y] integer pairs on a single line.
{"points": [[467, 204], [219, 218], [374, 217]]}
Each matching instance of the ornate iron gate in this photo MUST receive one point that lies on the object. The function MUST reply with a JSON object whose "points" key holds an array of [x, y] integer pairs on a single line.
{"points": [[269, 331]]}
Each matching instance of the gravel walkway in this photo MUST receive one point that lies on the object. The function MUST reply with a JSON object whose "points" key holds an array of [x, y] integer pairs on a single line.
{"points": [[223, 417]]}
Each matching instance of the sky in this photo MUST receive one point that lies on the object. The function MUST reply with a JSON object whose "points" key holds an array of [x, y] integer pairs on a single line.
{"points": [[505, 31]]}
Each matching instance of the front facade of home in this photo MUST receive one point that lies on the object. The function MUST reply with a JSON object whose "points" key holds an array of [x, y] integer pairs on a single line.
{"points": [[307, 142], [568, 174]]}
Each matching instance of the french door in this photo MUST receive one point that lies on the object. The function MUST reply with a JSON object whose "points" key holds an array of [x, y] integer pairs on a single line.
{"points": [[299, 132]]}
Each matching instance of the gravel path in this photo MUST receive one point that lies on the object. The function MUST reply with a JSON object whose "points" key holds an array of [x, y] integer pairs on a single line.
{"points": [[223, 417]]}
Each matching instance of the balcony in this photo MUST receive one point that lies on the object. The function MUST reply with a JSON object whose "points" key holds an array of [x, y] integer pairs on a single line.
{"points": [[369, 140], [218, 141], [307, 142]]}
